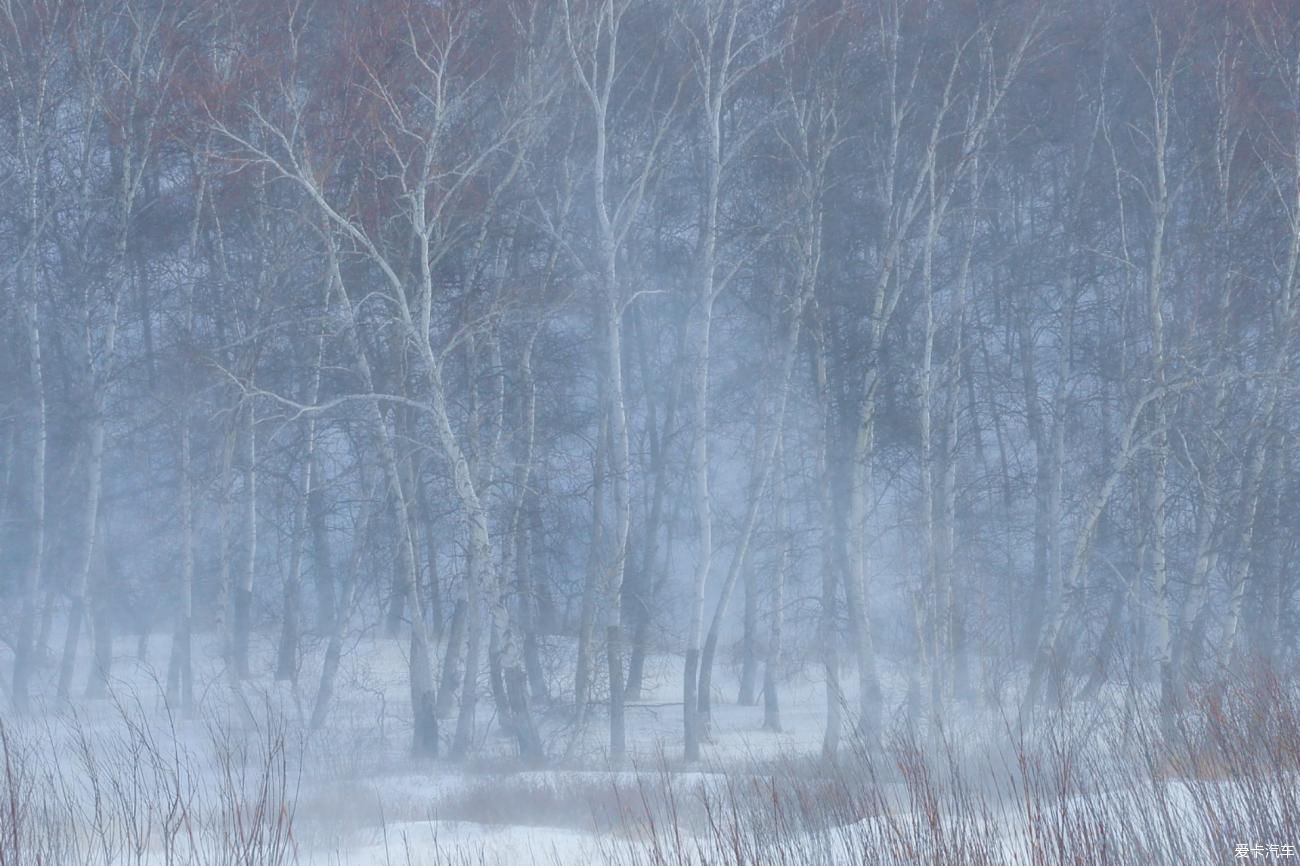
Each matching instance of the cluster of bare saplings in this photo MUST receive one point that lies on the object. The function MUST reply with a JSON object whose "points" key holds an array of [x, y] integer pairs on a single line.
{"points": [[946, 348]]}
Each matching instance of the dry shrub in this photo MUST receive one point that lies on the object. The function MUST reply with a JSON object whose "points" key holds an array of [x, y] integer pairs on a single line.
{"points": [[127, 794], [1104, 791], [1117, 794]]}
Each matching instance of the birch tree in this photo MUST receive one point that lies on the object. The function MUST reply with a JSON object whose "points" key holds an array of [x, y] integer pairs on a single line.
{"points": [[29, 66], [124, 94], [595, 42], [432, 176]]}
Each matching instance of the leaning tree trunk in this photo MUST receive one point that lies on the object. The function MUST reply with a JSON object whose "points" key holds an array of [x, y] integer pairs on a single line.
{"points": [[1046, 654], [765, 452]]}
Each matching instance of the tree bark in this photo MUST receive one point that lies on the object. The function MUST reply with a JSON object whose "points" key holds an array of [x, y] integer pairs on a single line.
{"points": [[81, 584], [105, 623], [339, 627], [322, 559], [25, 651], [776, 610], [765, 452], [243, 619], [451, 658], [591, 584], [180, 674]]}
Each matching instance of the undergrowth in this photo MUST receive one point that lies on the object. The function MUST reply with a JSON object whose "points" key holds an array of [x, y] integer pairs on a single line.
{"points": [[132, 792]]}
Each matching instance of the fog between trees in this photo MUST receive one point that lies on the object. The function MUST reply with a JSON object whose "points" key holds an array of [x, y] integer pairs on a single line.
{"points": [[952, 341]]}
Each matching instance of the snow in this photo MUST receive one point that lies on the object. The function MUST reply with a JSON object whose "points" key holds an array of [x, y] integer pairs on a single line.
{"points": [[359, 798]]}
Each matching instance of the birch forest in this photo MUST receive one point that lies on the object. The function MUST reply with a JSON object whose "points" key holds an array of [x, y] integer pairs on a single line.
{"points": [[566, 384]]}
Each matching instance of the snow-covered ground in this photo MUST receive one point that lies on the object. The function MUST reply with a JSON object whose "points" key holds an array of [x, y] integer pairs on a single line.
{"points": [[245, 783]]}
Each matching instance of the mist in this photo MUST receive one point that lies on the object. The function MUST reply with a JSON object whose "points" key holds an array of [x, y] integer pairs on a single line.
{"points": [[649, 431]]}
